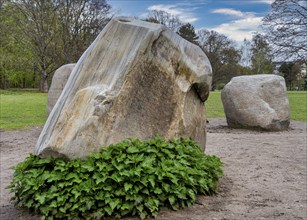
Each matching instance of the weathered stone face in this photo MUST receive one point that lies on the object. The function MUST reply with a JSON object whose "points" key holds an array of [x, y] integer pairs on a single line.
{"points": [[257, 102], [59, 80], [136, 80]]}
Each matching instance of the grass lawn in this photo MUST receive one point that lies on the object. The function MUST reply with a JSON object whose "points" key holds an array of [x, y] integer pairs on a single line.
{"points": [[298, 105], [21, 108], [297, 99], [214, 106]]}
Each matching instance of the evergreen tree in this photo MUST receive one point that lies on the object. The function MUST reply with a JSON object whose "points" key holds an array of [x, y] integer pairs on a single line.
{"points": [[187, 32]]}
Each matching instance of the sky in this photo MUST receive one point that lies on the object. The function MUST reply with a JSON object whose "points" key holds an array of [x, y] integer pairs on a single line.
{"points": [[237, 19]]}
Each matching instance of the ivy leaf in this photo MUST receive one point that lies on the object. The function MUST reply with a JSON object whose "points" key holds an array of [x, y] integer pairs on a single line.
{"points": [[132, 150], [147, 163], [140, 208], [114, 203], [99, 178], [171, 199], [62, 209], [116, 177], [76, 193], [158, 191], [75, 206], [88, 166], [101, 166], [151, 179], [89, 204], [119, 166], [138, 171], [109, 210], [191, 193], [30, 202], [166, 187], [127, 186], [43, 161], [127, 206], [100, 195], [143, 215], [73, 177]]}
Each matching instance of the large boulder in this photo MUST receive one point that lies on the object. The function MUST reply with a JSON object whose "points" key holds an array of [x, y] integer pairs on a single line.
{"points": [[58, 82], [136, 80], [257, 102]]}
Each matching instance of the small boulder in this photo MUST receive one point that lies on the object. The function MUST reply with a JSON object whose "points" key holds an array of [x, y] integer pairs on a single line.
{"points": [[136, 80], [257, 102], [58, 82]]}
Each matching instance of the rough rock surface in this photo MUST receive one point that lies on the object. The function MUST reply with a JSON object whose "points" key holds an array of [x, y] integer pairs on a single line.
{"points": [[257, 102], [137, 80], [59, 80]]}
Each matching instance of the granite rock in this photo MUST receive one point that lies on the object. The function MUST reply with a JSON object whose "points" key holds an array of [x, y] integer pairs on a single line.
{"points": [[58, 82], [257, 102], [136, 80]]}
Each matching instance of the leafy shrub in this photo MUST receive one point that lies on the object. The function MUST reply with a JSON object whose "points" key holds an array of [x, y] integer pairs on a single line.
{"points": [[130, 178]]}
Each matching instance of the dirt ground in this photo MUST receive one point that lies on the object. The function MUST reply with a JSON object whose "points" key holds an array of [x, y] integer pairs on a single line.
{"points": [[265, 174]]}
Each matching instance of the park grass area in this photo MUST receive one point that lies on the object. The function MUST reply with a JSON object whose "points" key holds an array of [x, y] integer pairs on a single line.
{"points": [[214, 106], [297, 100], [22, 108], [298, 105]]}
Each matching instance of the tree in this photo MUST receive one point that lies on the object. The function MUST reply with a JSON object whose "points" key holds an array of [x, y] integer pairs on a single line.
{"points": [[40, 29], [16, 69], [246, 54], [187, 32], [58, 31], [165, 18], [261, 56], [290, 72], [223, 56], [80, 22], [285, 28]]}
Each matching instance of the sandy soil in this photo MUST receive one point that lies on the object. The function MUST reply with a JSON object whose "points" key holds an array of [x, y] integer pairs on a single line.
{"points": [[265, 174]]}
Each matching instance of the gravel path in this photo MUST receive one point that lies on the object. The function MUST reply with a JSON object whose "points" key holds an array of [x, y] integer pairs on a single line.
{"points": [[265, 174]]}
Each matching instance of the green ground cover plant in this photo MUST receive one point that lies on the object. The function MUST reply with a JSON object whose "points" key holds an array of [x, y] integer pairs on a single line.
{"points": [[130, 178], [21, 108]]}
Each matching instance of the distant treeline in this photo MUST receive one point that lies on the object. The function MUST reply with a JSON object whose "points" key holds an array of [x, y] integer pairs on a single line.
{"points": [[38, 36]]}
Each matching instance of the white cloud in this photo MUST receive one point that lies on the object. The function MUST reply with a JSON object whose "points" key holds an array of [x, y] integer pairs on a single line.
{"points": [[263, 1], [228, 11], [184, 14], [240, 29]]}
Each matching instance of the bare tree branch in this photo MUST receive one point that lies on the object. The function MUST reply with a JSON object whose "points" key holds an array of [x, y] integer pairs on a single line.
{"points": [[286, 29]]}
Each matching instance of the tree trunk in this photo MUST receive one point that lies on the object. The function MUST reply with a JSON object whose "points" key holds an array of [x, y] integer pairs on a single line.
{"points": [[43, 85], [5, 82], [1, 81], [35, 73], [23, 82]]}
